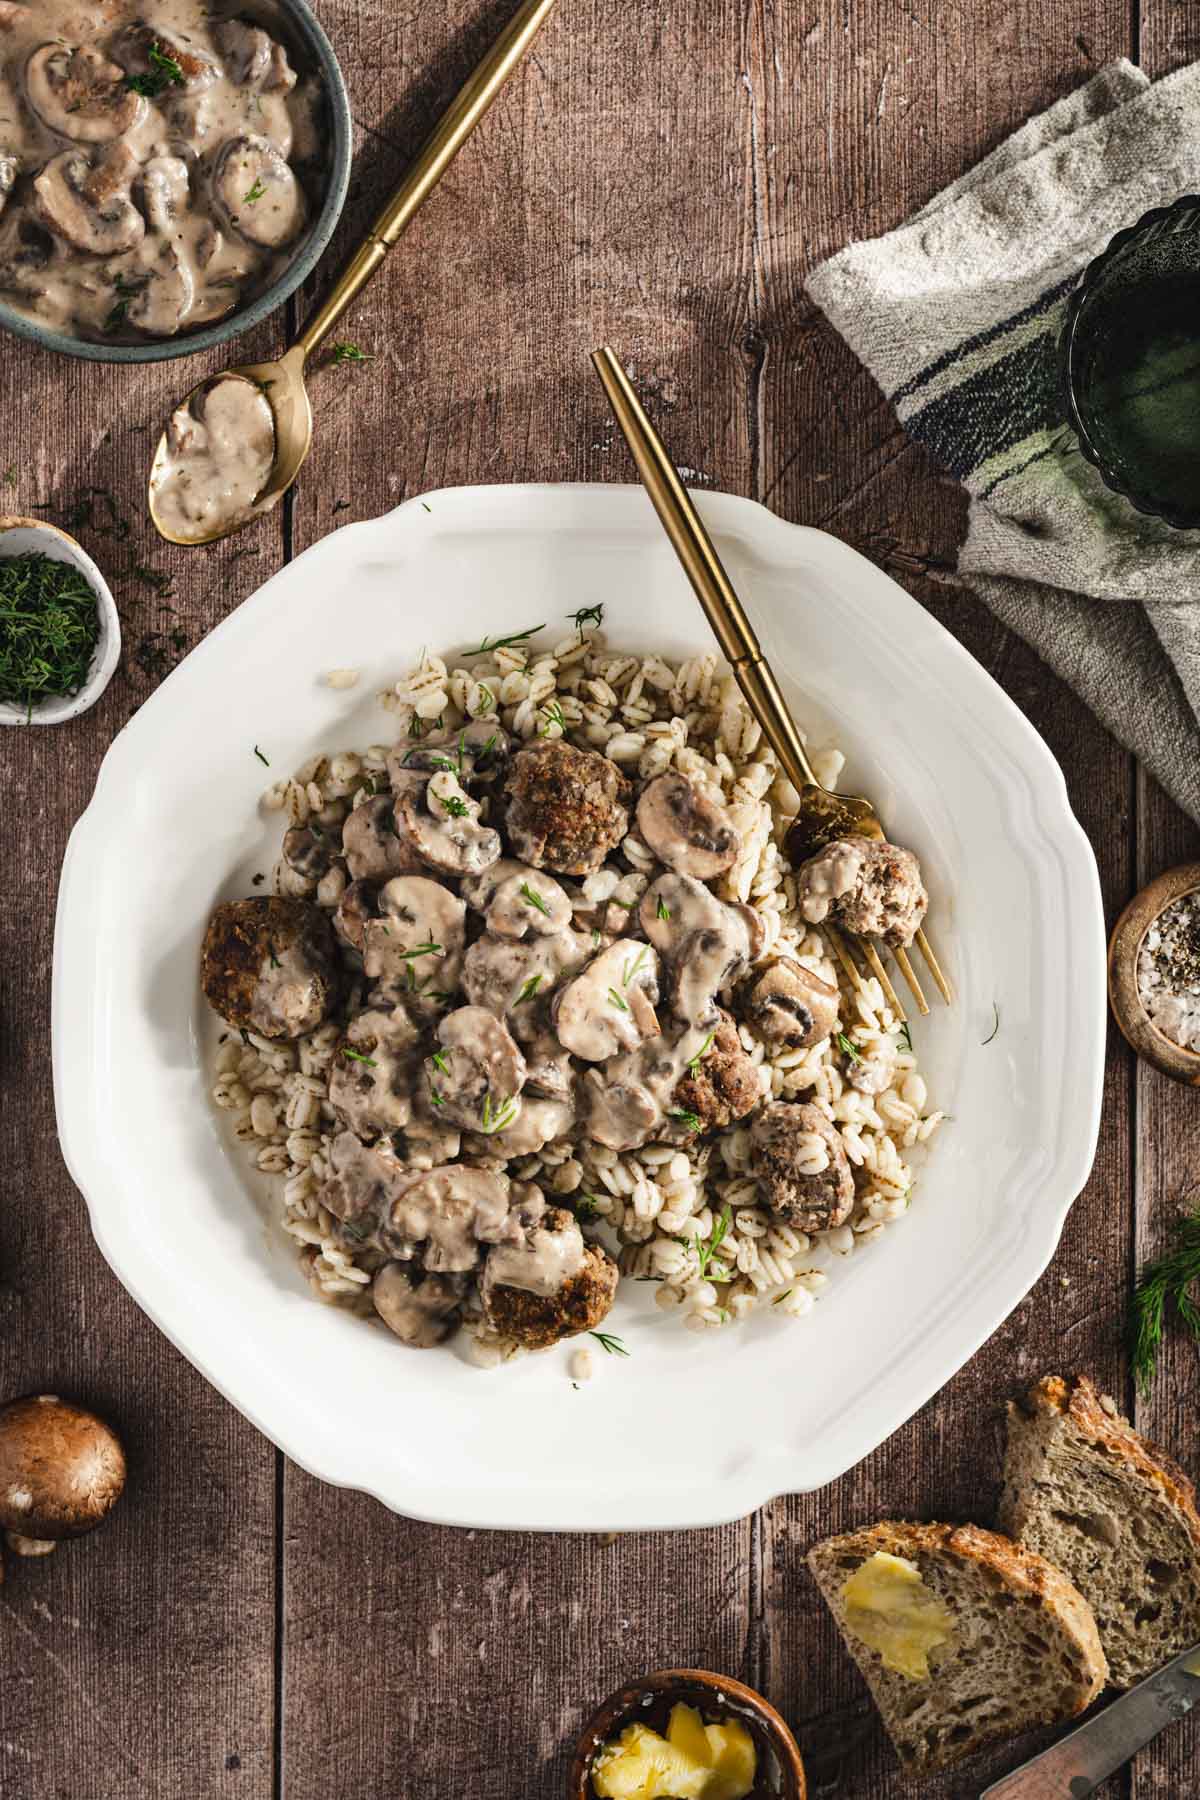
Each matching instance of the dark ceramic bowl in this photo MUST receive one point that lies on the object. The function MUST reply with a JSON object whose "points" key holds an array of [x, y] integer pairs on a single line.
{"points": [[1164, 245], [296, 22], [649, 1702]]}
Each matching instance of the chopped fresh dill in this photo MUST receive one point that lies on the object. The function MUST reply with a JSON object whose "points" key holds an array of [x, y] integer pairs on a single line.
{"points": [[849, 1049], [995, 1027], [532, 898], [587, 615], [504, 643], [497, 1118], [261, 757], [530, 989], [690, 1119], [357, 1056], [421, 950], [706, 1248], [49, 628], [587, 1206], [439, 1062], [614, 999], [350, 353], [554, 716], [613, 1345], [695, 1061], [163, 71], [632, 968], [435, 1097], [662, 910], [254, 193], [457, 809], [906, 1037]]}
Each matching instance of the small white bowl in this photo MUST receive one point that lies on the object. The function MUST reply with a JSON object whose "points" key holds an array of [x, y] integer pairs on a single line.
{"points": [[18, 536]]}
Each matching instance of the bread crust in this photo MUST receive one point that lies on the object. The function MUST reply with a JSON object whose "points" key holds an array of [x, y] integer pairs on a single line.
{"points": [[1079, 1402]]}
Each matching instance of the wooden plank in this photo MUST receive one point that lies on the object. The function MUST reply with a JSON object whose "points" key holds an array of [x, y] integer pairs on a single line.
{"points": [[861, 118], [584, 209], [140, 1663]]}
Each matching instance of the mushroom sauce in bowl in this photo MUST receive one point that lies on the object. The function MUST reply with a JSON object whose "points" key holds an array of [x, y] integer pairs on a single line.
{"points": [[169, 170]]}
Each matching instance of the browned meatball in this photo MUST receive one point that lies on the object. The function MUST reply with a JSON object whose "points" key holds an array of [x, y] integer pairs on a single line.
{"points": [[270, 965], [544, 1309], [566, 808], [724, 1085], [871, 887], [781, 1155], [787, 1006]]}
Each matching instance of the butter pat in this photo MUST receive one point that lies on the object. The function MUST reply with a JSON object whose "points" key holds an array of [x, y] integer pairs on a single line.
{"points": [[694, 1761], [889, 1607]]}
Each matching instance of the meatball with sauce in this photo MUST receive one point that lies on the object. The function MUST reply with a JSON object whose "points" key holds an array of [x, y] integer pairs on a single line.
{"points": [[567, 808], [270, 965], [872, 888], [550, 1286], [721, 1085], [804, 1174]]}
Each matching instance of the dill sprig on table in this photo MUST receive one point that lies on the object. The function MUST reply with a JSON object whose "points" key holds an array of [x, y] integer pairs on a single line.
{"points": [[1163, 1284], [49, 625]]}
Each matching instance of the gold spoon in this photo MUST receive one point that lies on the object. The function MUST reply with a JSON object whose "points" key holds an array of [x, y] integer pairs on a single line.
{"points": [[282, 382], [823, 815]]}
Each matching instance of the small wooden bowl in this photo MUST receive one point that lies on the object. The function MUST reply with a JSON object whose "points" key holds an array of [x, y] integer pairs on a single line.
{"points": [[649, 1701], [1136, 1025]]}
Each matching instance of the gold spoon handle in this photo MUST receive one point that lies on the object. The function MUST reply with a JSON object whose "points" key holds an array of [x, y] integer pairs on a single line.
{"points": [[447, 139], [704, 569]]}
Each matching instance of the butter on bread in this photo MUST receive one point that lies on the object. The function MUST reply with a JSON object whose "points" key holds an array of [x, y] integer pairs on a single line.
{"points": [[980, 1640]]}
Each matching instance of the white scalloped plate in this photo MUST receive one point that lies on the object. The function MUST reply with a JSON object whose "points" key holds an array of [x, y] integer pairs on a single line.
{"points": [[690, 1429]]}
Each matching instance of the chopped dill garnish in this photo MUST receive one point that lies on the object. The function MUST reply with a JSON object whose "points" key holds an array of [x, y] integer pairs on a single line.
{"points": [[504, 643], [497, 1118], [614, 999], [254, 193], [632, 968], [694, 1062], [587, 1206], [435, 1097], [690, 1119], [662, 910], [357, 1056], [706, 1248], [613, 1345], [350, 353], [261, 757], [995, 1027], [530, 989], [554, 716], [849, 1049], [49, 628], [906, 1037], [456, 808], [587, 615], [163, 72], [439, 1062], [532, 898], [421, 950]]}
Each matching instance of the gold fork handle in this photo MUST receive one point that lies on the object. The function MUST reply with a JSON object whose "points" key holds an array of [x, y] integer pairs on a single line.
{"points": [[443, 145], [704, 569]]}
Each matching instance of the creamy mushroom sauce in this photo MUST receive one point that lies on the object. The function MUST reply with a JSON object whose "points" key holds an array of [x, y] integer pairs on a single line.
{"points": [[220, 451], [159, 163]]}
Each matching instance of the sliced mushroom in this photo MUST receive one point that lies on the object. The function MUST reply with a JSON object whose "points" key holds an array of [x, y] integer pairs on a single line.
{"points": [[62, 1469], [256, 192], [518, 900], [442, 824], [87, 202], [12, 13], [310, 850], [477, 1071], [164, 296], [422, 1312], [609, 1006], [356, 906], [548, 1068], [632, 1099], [373, 1074], [706, 940], [81, 94], [536, 1121], [363, 1182], [375, 842], [474, 752], [449, 1215], [166, 189], [270, 965], [414, 949], [506, 974], [687, 830], [169, 62], [10, 168], [788, 1006], [252, 57]]}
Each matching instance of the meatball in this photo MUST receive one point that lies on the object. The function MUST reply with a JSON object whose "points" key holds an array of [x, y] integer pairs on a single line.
{"points": [[804, 1174], [552, 1286], [566, 808], [787, 1006], [723, 1084], [270, 965], [871, 887]]}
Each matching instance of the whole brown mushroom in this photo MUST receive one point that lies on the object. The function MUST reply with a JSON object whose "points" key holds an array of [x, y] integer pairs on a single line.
{"points": [[62, 1470]]}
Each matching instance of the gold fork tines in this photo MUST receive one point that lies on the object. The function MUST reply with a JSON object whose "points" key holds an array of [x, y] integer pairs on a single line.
{"points": [[739, 644]]}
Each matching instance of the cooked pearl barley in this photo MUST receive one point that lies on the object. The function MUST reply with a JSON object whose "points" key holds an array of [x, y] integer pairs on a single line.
{"points": [[655, 1205], [581, 1364]]}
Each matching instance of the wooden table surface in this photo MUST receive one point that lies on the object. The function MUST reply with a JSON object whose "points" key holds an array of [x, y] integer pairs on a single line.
{"points": [[662, 176]]}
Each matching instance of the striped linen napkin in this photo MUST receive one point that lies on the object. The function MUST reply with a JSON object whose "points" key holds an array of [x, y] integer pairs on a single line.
{"points": [[957, 315]]}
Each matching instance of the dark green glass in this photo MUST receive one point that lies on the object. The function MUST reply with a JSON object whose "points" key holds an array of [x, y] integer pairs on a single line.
{"points": [[1131, 363]]}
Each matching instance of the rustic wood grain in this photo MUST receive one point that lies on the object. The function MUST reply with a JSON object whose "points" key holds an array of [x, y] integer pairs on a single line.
{"points": [[663, 178]]}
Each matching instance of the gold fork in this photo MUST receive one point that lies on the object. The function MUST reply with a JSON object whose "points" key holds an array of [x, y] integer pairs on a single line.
{"points": [[823, 815]]}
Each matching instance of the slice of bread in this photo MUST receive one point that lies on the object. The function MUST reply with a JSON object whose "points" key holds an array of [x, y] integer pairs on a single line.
{"points": [[1114, 1513], [1022, 1651]]}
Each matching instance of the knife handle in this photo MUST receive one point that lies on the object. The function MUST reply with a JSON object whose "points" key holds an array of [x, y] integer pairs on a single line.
{"points": [[1078, 1763]]}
